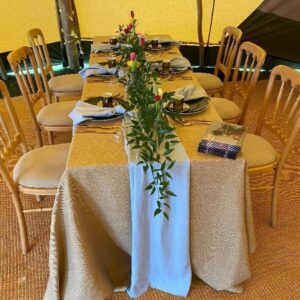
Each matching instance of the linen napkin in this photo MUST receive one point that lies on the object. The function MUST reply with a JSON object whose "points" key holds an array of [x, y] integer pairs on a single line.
{"points": [[160, 255], [180, 63], [223, 139], [84, 111], [97, 70], [103, 47], [190, 92]]}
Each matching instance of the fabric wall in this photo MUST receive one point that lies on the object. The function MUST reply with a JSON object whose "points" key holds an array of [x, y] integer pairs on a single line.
{"points": [[102, 17], [275, 26]]}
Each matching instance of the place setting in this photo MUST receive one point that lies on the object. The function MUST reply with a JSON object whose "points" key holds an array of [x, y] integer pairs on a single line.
{"points": [[188, 100], [159, 44], [98, 109]]}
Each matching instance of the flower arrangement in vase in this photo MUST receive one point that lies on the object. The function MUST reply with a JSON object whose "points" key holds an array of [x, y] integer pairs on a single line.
{"points": [[150, 131]]}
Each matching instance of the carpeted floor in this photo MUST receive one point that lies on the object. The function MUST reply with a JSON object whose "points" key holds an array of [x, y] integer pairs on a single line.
{"points": [[275, 265]]}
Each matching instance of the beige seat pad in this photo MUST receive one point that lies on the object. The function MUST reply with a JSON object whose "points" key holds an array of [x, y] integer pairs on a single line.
{"points": [[69, 83], [209, 82], [258, 151], [42, 167], [56, 114], [226, 109]]}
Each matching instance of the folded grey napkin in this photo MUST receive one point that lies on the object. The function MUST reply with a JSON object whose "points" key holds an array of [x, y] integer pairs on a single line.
{"points": [[190, 92], [180, 63], [85, 111]]}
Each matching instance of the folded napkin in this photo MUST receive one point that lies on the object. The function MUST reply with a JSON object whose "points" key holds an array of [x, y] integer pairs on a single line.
{"points": [[190, 92], [180, 63], [97, 70], [103, 47], [84, 111], [223, 139]]}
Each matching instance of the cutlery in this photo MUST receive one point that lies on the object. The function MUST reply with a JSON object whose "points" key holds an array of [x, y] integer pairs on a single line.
{"points": [[83, 127], [96, 130], [194, 122], [99, 80]]}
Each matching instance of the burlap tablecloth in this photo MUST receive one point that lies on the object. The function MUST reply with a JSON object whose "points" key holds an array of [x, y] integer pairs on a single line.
{"points": [[90, 236]]}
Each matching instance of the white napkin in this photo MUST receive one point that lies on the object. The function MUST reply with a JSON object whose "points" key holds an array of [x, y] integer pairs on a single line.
{"points": [[103, 47], [190, 92], [84, 111], [97, 70]]}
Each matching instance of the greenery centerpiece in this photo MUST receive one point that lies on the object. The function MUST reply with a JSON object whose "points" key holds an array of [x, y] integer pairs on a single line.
{"points": [[150, 132]]}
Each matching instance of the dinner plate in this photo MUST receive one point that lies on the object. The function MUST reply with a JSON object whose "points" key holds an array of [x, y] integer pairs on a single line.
{"points": [[197, 106], [105, 119], [98, 102], [194, 106], [172, 70], [95, 101]]}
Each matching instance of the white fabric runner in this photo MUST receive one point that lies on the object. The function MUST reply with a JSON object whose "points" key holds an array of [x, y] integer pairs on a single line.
{"points": [[160, 256]]}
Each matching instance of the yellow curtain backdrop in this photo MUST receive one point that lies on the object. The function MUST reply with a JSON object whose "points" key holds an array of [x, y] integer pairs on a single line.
{"points": [[102, 17]]}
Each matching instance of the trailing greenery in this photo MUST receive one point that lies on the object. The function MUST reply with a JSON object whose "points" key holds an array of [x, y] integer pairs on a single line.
{"points": [[150, 132]]}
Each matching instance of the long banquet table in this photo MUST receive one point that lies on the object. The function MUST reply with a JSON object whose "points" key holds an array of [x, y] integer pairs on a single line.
{"points": [[90, 240]]}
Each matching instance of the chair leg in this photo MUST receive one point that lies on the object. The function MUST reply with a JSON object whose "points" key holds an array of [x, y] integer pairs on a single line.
{"points": [[22, 224], [56, 98], [275, 199], [39, 198], [50, 137]]}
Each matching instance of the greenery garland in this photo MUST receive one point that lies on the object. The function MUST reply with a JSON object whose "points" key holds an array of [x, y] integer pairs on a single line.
{"points": [[150, 132]]}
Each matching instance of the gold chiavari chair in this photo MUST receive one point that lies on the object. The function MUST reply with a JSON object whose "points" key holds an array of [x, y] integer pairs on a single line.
{"points": [[37, 172], [51, 117], [281, 119], [249, 62], [62, 85], [229, 44]]}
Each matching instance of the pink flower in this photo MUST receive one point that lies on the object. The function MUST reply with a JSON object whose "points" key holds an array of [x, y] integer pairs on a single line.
{"points": [[129, 26], [132, 56], [157, 98], [132, 14]]}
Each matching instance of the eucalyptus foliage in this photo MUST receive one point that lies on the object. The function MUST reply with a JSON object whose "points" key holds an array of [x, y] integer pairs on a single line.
{"points": [[150, 131]]}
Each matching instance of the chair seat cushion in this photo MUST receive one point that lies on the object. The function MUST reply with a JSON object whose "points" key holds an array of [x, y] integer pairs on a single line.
{"points": [[209, 81], [56, 114], [258, 151], [42, 167], [69, 83], [227, 109]]}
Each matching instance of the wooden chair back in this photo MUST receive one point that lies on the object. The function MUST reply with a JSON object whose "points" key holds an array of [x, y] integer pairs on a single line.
{"points": [[283, 118], [249, 62], [37, 42], [22, 61], [11, 140], [11, 134], [229, 44]]}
